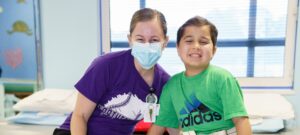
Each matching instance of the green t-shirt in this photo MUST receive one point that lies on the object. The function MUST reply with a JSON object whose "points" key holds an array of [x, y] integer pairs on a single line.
{"points": [[205, 103]]}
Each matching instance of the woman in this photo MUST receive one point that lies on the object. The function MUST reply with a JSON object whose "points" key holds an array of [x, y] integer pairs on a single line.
{"points": [[113, 90]]}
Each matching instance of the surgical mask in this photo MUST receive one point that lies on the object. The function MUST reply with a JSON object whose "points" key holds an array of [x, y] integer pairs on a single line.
{"points": [[147, 54]]}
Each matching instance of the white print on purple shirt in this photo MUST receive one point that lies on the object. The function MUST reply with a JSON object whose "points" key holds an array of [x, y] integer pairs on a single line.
{"points": [[123, 106]]}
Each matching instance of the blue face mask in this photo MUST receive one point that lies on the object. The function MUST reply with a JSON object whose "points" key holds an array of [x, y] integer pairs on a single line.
{"points": [[147, 54]]}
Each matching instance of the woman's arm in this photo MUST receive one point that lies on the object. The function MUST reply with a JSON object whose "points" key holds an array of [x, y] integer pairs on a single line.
{"points": [[242, 125], [83, 110]]}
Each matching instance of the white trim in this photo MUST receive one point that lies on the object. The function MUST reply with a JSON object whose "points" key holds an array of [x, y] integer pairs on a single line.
{"points": [[98, 26], [105, 26], [297, 55], [283, 92], [2, 99]]}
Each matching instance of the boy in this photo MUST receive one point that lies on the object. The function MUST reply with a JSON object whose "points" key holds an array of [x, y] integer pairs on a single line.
{"points": [[204, 99]]}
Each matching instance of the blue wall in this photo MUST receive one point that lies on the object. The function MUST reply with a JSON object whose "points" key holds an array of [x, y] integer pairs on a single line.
{"points": [[17, 48]]}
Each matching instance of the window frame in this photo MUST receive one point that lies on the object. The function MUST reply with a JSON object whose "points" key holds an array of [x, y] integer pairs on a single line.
{"points": [[247, 83]]}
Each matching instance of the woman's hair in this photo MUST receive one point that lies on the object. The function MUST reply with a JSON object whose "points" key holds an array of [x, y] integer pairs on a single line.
{"points": [[198, 21], [147, 14]]}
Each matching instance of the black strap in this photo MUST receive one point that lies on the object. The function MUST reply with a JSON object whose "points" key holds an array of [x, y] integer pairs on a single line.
{"points": [[152, 90]]}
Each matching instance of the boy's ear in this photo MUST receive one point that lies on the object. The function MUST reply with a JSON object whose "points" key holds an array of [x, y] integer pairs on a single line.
{"points": [[177, 48]]}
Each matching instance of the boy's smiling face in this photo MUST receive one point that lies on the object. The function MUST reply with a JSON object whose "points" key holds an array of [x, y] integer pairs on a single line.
{"points": [[196, 48]]}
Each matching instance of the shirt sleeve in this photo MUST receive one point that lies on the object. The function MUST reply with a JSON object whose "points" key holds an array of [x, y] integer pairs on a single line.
{"points": [[232, 99], [94, 83], [167, 115]]}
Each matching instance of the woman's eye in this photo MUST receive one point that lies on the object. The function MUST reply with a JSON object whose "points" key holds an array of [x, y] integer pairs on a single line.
{"points": [[154, 40], [140, 40]]}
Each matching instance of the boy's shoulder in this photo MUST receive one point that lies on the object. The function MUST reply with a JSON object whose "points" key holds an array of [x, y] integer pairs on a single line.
{"points": [[219, 71], [174, 78], [172, 83], [177, 76]]}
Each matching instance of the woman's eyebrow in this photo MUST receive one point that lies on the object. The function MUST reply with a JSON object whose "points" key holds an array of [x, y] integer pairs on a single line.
{"points": [[140, 36], [155, 36]]}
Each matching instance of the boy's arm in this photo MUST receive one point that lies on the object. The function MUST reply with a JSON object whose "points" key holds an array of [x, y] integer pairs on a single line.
{"points": [[242, 125], [173, 131], [158, 130]]}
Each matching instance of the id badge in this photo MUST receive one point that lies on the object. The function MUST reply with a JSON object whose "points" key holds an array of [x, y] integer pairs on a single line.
{"points": [[151, 111]]}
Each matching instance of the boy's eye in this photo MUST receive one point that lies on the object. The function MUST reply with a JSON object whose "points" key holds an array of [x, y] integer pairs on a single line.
{"points": [[188, 41]]}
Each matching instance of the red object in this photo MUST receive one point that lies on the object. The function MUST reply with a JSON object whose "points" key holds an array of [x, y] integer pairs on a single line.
{"points": [[142, 126]]}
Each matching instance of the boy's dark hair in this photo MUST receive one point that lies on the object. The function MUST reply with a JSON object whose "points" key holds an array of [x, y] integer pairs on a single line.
{"points": [[147, 14], [198, 21]]}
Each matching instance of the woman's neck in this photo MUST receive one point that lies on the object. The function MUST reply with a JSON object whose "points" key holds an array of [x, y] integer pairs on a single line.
{"points": [[146, 74]]}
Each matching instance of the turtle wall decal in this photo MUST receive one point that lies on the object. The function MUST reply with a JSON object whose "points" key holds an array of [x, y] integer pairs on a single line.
{"points": [[20, 26], [21, 1]]}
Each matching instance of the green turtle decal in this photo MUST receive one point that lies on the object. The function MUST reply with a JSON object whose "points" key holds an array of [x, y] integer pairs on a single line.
{"points": [[20, 26], [21, 1]]}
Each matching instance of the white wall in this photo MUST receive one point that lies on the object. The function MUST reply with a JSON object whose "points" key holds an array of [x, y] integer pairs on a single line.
{"points": [[70, 34]]}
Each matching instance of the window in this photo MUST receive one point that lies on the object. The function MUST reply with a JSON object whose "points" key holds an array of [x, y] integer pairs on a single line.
{"points": [[256, 39]]}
